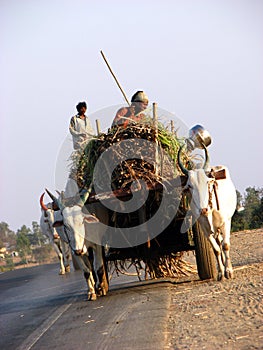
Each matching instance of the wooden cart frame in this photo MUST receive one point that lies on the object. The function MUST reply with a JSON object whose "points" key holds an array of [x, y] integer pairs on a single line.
{"points": [[170, 240]]}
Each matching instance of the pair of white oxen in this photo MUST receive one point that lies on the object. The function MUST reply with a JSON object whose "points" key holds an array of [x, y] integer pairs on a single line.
{"points": [[213, 203]]}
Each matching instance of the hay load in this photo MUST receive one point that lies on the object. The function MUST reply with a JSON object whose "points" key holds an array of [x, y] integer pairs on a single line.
{"points": [[156, 164], [83, 164]]}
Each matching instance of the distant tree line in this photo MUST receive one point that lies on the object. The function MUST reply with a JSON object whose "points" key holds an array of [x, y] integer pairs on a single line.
{"points": [[31, 242], [249, 213], [28, 243]]}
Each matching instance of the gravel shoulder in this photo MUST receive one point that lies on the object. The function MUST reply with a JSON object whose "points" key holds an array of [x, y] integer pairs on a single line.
{"points": [[226, 314]]}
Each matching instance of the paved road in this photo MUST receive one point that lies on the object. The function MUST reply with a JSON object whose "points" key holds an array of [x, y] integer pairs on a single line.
{"points": [[42, 310]]}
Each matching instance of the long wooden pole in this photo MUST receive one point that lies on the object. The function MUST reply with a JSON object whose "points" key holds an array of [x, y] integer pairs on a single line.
{"points": [[107, 63], [98, 126], [155, 125], [155, 117], [172, 126]]}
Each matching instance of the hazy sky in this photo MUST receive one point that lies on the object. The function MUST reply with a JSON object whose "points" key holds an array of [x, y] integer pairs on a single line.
{"points": [[200, 59]]}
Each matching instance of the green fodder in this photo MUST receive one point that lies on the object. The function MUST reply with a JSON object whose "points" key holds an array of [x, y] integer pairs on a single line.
{"points": [[157, 169]]}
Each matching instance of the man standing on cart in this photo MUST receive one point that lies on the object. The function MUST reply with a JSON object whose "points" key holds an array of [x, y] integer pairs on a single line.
{"points": [[80, 127], [82, 132]]}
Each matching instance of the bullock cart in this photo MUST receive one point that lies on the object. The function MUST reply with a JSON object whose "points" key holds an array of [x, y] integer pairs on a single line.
{"points": [[159, 227], [168, 245]]}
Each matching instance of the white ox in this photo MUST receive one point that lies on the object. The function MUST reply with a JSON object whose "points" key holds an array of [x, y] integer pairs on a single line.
{"points": [[78, 225], [55, 235], [213, 203]]}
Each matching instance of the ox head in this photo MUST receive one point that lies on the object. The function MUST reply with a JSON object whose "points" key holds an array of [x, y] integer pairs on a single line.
{"points": [[74, 220], [198, 183], [212, 202], [47, 219]]}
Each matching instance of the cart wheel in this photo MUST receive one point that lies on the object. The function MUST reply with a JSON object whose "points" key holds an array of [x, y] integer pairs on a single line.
{"points": [[75, 263], [205, 258]]}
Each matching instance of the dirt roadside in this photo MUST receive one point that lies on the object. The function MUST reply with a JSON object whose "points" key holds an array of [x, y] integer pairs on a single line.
{"points": [[222, 315]]}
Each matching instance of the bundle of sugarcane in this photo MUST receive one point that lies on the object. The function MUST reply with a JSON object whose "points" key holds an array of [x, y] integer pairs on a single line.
{"points": [[129, 170], [167, 266], [171, 265]]}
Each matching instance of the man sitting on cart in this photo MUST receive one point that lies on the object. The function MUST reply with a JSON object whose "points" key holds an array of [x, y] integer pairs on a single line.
{"points": [[133, 113]]}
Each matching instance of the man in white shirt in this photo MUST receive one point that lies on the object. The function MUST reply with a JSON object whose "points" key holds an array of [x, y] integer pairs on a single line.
{"points": [[82, 132], [80, 127]]}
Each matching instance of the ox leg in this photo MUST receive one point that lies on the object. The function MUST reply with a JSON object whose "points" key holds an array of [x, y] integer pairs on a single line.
{"points": [[91, 285], [102, 286], [218, 255], [84, 264], [60, 257], [215, 243], [219, 240], [226, 250], [66, 255], [62, 270], [91, 262]]}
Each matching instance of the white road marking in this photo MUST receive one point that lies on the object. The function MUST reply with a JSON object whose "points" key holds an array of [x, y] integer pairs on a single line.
{"points": [[31, 340]]}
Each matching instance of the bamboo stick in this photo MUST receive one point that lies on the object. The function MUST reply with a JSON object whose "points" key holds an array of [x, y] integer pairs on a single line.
{"points": [[172, 126], [116, 80], [155, 118], [155, 124], [98, 126]]}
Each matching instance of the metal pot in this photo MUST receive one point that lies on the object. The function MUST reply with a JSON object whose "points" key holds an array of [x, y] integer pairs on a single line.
{"points": [[200, 136]]}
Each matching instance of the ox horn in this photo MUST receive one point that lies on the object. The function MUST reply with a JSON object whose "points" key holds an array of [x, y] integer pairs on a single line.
{"points": [[85, 194], [43, 206], [184, 170], [56, 200], [207, 158], [50, 195]]}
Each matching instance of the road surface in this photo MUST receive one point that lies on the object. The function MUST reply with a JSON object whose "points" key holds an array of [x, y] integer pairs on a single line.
{"points": [[42, 310]]}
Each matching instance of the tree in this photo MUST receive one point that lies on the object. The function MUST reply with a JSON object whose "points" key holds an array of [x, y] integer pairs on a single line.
{"points": [[4, 229], [251, 217], [36, 237], [252, 197], [239, 199], [252, 202], [257, 216], [238, 222], [23, 242], [42, 254], [7, 236], [9, 263]]}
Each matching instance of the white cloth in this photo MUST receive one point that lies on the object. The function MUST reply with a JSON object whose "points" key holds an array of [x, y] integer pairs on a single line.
{"points": [[81, 131]]}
